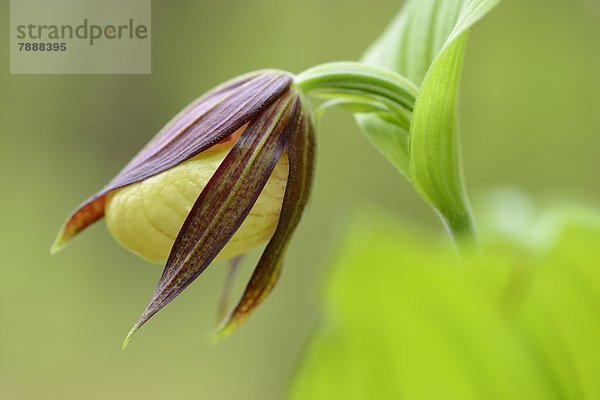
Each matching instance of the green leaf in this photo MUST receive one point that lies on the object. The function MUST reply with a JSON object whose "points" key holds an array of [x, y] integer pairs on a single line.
{"points": [[414, 38], [426, 44], [434, 154], [390, 139], [408, 46], [403, 320]]}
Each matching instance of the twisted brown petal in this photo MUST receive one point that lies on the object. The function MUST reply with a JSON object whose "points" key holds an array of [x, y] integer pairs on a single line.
{"points": [[300, 145], [198, 127], [225, 202]]}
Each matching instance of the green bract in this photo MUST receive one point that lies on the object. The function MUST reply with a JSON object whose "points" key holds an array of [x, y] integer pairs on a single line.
{"points": [[426, 44], [406, 98]]}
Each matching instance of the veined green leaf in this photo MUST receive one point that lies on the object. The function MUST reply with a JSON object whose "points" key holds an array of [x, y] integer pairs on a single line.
{"points": [[415, 37], [408, 46], [390, 139], [434, 152], [425, 43], [435, 165]]}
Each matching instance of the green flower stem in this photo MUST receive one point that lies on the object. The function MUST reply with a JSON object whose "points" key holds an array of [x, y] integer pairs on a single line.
{"points": [[360, 83]]}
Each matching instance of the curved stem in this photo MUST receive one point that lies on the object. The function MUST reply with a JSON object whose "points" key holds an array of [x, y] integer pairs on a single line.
{"points": [[358, 80]]}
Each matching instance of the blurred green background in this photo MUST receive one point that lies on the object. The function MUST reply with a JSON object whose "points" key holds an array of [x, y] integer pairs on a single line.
{"points": [[529, 118], [520, 323]]}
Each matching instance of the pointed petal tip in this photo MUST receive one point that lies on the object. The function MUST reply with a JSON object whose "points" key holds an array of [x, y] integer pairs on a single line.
{"points": [[146, 315], [231, 323], [59, 242], [129, 335], [223, 331], [86, 214], [301, 152]]}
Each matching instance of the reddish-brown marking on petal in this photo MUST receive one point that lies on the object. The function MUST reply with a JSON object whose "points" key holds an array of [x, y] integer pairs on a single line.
{"points": [[225, 202], [88, 213], [206, 122], [300, 145]]}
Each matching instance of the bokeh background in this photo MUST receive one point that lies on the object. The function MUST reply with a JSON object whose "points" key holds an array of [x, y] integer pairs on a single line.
{"points": [[530, 120]]}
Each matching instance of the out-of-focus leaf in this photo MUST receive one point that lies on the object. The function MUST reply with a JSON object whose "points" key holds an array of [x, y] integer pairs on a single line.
{"points": [[403, 320]]}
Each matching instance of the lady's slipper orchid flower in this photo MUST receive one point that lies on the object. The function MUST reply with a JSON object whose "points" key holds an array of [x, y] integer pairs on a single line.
{"points": [[231, 171]]}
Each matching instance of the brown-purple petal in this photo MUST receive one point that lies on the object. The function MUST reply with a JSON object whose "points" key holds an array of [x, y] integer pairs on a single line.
{"points": [[225, 202], [201, 125], [300, 145]]}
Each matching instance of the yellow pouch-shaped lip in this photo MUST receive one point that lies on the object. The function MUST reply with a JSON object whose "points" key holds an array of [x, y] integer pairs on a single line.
{"points": [[145, 217]]}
